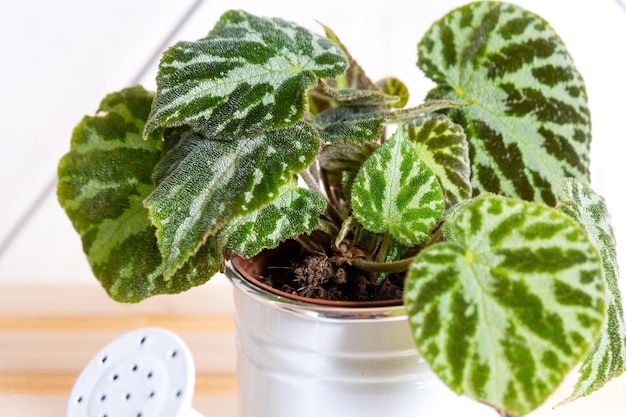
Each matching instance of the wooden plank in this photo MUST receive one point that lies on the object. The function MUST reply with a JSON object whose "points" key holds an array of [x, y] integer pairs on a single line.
{"points": [[62, 351], [48, 335], [213, 298], [61, 383], [206, 323]]}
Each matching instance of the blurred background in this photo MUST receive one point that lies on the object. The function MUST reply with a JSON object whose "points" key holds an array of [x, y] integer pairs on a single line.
{"points": [[60, 57]]}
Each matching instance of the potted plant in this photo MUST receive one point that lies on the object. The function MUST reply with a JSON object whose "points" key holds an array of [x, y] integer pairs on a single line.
{"points": [[473, 221]]}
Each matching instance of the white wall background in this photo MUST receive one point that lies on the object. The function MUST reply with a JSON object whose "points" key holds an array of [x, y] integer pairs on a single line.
{"points": [[60, 57]]}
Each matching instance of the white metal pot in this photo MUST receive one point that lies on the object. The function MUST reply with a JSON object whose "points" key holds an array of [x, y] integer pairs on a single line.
{"points": [[307, 360]]}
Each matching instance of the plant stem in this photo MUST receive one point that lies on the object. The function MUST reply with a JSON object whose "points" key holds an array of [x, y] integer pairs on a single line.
{"points": [[383, 247], [436, 236], [329, 190], [310, 181], [308, 245], [334, 214], [314, 171], [381, 267]]}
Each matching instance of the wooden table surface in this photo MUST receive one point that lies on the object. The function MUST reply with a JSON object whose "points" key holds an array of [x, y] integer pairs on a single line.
{"points": [[48, 334], [47, 337]]}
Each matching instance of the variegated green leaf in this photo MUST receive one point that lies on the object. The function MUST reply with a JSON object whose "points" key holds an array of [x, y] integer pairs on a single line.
{"points": [[607, 358], [394, 87], [249, 74], [345, 124], [366, 123], [208, 183], [395, 192], [505, 311], [102, 183], [441, 144], [293, 213], [530, 125]]}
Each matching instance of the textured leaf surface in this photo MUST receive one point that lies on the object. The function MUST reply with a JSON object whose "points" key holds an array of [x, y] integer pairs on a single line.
{"points": [[530, 126], [607, 358], [355, 97], [343, 124], [395, 192], [292, 214], [102, 183], [366, 123], [505, 311], [441, 144], [249, 74], [211, 182]]}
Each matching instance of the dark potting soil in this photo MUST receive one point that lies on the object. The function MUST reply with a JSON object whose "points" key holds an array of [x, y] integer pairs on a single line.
{"points": [[318, 276]]}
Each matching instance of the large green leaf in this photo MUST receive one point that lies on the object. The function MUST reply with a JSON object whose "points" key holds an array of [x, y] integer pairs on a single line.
{"points": [[507, 309], [293, 213], [204, 184], [395, 192], [530, 125], [102, 183], [441, 144], [248, 74], [607, 358]]}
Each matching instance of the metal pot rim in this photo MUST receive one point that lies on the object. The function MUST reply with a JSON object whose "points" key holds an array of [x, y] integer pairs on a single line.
{"points": [[245, 282]]}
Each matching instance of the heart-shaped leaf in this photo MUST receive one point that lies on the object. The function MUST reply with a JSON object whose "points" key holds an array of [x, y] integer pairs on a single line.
{"points": [[249, 74], [441, 144], [293, 213], [530, 125], [607, 357], [207, 183], [395, 192], [505, 311], [102, 183]]}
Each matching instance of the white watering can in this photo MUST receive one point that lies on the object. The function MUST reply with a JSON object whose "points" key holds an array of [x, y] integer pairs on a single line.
{"points": [[147, 372]]}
